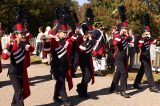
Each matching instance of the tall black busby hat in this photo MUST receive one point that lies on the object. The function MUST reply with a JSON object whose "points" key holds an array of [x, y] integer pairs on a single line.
{"points": [[89, 18], [85, 28], [62, 18], [75, 19], [146, 21], [122, 13], [20, 19]]}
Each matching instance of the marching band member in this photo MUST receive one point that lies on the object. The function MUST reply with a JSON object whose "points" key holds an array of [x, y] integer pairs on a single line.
{"points": [[61, 64], [16, 50], [144, 44], [99, 50], [85, 46], [74, 33], [121, 40]]}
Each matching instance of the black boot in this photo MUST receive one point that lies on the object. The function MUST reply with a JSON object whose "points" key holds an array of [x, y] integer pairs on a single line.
{"points": [[56, 96], [136, 86], [56, 99], [153, 89], [85, 93], [79, 90], [114, 91], [124, 94], [67, 104]]}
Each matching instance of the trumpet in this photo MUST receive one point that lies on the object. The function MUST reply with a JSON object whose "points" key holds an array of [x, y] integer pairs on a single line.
{"points": [[110, 15]]}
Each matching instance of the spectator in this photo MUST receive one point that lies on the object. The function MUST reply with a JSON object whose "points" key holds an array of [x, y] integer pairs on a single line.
{"points": [[39, 41], [131, 50]]}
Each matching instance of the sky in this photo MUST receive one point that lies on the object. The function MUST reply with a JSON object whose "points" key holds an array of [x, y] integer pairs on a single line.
{"points": [[82, 1]]}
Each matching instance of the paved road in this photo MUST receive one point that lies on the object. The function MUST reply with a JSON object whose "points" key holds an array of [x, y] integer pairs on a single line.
{"points": [[42, 89]]}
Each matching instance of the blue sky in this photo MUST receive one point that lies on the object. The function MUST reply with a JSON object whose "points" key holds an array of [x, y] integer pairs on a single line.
{"points": [[82, 1]]}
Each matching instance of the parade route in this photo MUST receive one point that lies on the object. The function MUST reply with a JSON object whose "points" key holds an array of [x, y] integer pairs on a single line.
{"points": [[42, 88]]}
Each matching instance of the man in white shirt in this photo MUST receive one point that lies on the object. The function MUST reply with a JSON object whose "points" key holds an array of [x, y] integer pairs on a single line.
{"points": [[131, 50], [39, 41]]}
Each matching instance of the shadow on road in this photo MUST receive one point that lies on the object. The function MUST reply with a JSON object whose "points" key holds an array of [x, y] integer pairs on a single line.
{"points": [[4, 66], [33, 80], [39, 79], [4, 83], [94, 95], [136, 91], [75, 100]]}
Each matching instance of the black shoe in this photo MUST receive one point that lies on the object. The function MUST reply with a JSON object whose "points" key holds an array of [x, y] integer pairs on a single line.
{"points": [[67, 104], [136, 86], [153, 89], [116, 92], [124, 94], [85, 96], [98, 73], [82, 95], [56, 99], [113, 91], [79, 90]]}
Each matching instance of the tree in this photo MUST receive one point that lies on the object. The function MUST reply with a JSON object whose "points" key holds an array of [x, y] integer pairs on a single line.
{"points": [[39, 12], [135, 10]]}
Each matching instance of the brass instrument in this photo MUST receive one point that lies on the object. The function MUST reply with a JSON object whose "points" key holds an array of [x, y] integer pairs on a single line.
{"points": [[110, 15]]}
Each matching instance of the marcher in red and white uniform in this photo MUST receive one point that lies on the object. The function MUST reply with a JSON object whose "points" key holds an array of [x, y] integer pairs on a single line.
{"points": [[121, 39], [15, 50], [85, 45], [61, 64], [144, 44], [99, 50]]}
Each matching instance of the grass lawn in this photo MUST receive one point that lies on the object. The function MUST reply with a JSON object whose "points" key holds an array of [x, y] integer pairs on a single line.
{"points": [[35, 58]]}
